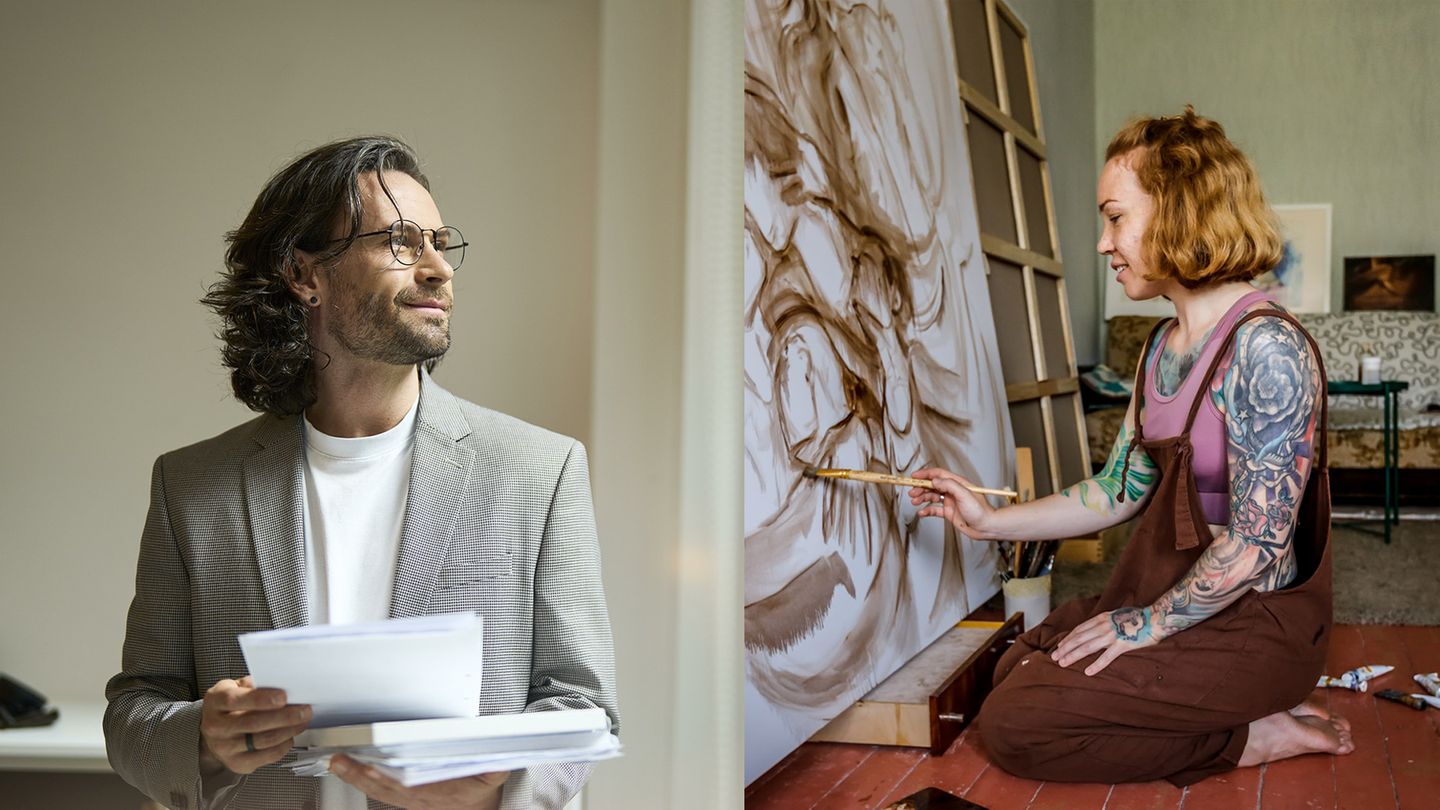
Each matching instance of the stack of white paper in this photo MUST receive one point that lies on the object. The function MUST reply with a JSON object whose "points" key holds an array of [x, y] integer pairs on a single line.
{"points": [[423, 751], [399, 669]]}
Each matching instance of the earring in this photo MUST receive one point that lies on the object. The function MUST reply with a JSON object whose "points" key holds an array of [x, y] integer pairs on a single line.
{"points": [[314, 300]]}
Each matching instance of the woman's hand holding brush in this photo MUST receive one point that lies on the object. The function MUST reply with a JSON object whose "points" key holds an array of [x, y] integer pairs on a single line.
{"points": [[952, 499]]}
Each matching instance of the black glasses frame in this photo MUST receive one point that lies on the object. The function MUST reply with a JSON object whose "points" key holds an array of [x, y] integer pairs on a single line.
{"points": [[400, 223]]}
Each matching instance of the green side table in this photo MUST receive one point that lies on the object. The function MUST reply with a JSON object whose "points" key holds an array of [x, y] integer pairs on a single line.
{"points": [[1389, 390]]}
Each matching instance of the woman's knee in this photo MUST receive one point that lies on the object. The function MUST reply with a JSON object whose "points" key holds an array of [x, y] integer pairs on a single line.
{"points": [[1018, 730]]}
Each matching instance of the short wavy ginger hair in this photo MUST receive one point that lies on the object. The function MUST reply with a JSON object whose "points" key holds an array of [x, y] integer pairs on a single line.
{"points": [[1211, 223], [264, 326]]}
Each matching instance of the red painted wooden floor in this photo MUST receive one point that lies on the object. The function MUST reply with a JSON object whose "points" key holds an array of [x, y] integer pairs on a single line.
{"points": [[1396, 762]]}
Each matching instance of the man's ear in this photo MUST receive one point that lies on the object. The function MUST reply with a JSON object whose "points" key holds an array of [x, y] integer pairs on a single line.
{"points": [[304, 277]]}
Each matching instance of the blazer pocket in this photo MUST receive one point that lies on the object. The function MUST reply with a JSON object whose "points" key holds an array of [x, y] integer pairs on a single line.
{"points": [[483, 569]]}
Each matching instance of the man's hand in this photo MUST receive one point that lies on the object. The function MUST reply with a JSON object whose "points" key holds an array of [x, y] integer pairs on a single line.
{"points": [[480, 792], [231, 710], [1116, 632]]}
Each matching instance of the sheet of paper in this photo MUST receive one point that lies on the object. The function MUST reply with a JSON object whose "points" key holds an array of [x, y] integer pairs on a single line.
{"points": [[400, 669], [411, 771], [505, 730]]}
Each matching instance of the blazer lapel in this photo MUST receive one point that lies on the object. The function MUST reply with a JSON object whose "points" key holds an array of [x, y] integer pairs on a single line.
{"points": [[274, 481], [439, 476]]}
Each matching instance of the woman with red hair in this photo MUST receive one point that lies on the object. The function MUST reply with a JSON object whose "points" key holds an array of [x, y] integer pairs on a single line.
{"points": [[1198, 656]]}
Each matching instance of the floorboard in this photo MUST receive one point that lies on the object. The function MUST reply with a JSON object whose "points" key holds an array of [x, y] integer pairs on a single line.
{"points": [[1410, 737], [1362, 778], [873, 778], [1144, 796], [1396, 762], [955, 772], [1070, 796], [1237, 788]]}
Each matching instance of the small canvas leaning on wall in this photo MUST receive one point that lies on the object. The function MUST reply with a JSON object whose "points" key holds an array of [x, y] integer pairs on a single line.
{"points": [[869, 344]]}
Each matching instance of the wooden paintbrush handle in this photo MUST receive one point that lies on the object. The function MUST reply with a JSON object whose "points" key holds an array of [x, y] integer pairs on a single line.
{"points": [[886, 478], [1004, 493], [903, 481]]}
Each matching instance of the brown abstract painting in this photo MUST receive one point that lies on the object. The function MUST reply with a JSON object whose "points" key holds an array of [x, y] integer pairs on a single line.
{"points": [[869, 345]]}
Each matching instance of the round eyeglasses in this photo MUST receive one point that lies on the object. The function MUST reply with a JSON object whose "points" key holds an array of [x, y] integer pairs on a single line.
{"points": [[407, 242]]}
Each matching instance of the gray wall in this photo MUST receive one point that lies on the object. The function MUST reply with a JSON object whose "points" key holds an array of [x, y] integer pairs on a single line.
{"points": [[1062, 39], [1335, 101]]}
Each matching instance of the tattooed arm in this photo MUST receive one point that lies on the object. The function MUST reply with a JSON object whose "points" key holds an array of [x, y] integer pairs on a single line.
{"points": [[1269, 393], [1100, 492], [1086, 507]]}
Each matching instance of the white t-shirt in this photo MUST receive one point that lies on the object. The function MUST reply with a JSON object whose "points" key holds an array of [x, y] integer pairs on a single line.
{"points": [[355, 496]]}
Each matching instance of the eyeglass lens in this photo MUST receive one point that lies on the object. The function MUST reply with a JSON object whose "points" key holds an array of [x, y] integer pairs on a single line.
{"points": [[406, 242]]}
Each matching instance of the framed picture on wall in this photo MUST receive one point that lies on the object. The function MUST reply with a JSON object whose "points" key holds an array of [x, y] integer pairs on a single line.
{"points": [[1390, 282], [1301, 283]]}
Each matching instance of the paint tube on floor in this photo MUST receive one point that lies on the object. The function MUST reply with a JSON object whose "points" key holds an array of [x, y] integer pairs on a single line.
{"points": [[1430, 681], [1413, 701], [1356, 679], [1430, 700]]}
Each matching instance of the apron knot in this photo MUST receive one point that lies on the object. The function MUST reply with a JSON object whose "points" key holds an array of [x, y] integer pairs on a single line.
{"points": [[1185, 537]]}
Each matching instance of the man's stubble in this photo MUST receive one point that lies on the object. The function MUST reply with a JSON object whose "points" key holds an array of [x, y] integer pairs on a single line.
{"points": [[372, 327]]}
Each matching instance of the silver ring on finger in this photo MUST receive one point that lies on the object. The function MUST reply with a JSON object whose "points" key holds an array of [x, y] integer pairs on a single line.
{"points": [[249, 742]]}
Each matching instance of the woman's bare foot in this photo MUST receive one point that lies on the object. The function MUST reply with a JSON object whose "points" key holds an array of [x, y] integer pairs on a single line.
{"points": [[1308, 709], [1283, 735]]}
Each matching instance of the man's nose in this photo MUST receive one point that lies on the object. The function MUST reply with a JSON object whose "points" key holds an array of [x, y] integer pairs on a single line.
{"points": [[432, 268]]}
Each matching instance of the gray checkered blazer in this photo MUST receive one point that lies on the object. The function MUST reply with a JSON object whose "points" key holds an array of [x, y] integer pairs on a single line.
{"points": [[499, 521]]}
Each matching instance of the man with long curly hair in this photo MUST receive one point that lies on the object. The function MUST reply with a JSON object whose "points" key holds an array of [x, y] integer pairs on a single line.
{"points": [[363, 491]]}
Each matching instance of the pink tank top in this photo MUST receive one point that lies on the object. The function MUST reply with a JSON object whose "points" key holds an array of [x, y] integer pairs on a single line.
{"points": [[1165, 416]]}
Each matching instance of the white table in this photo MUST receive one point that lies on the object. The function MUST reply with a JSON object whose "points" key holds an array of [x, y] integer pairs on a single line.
{"points": [[74, 743]]}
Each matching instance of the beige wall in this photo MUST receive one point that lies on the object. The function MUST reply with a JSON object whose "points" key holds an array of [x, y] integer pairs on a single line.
{"points": [[137, 134], [666, 423], [639, 287], [1334, 101]]}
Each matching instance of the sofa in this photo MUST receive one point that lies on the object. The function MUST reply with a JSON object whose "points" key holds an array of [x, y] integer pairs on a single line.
{"points": [[1408, 344]]}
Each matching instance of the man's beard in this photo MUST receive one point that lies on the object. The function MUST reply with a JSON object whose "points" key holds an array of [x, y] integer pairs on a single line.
{"points": [[373, 328]]}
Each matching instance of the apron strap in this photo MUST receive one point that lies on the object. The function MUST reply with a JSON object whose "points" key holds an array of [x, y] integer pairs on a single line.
{"points": [[1322, 437], [1139, 399]]}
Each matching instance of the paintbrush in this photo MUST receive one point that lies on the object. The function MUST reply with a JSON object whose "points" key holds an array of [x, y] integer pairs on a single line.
{"points": [[895, 480]]}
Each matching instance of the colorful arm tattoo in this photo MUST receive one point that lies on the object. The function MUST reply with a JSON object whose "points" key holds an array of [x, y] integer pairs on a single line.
{"points": [[1131, 624], [1271, 386], [1098, 493]]}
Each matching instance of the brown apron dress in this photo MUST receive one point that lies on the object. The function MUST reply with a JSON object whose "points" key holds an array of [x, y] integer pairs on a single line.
{"points": [[1180, 709]]}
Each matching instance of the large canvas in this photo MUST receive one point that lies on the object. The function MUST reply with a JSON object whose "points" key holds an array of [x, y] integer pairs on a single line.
{"points": [[869, 344]]}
